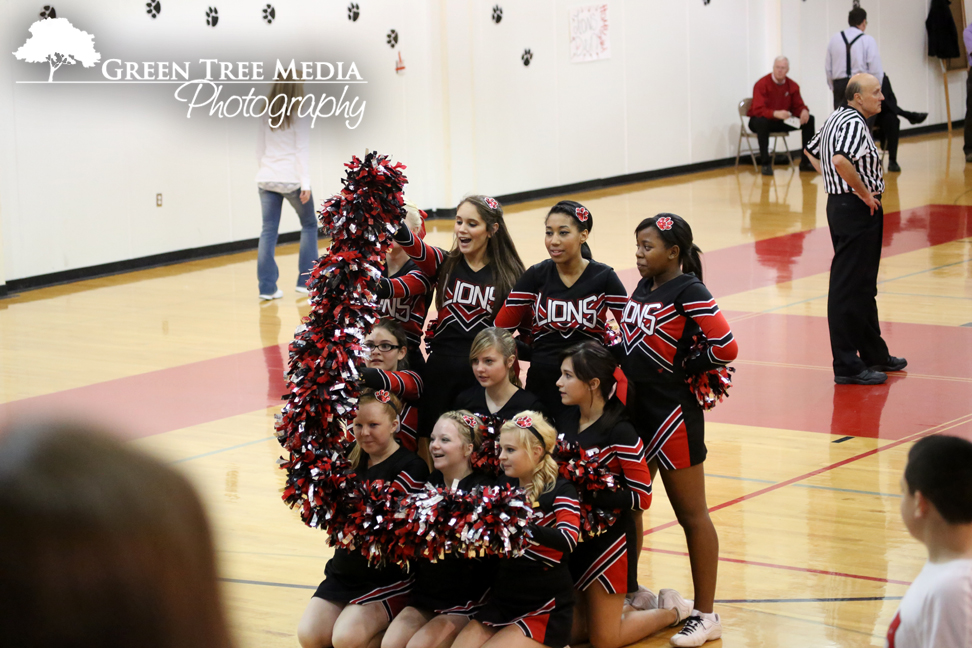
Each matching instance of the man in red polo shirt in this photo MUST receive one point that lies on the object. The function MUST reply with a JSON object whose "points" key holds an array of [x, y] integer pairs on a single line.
{"points": [[775, 99]]}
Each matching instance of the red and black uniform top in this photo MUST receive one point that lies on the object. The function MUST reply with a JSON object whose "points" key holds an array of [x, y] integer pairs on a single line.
{"points": [[407, 385], [658, 326], [405, 298], [556, 530], [558, 317], [467, 296], [621, 450], [403, 471]]}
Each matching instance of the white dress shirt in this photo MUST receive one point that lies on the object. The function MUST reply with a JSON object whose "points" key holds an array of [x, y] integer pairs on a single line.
{"points": [[864, 56]]}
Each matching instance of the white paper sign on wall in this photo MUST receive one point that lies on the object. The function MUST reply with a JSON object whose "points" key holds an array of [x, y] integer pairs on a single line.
{"points": [[589, 33]]}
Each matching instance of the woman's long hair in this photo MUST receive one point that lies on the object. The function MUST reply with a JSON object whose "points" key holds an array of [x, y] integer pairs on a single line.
{"points": [[503, 258], [101, 545], [289, 88], [501, 340], [545, 472]]}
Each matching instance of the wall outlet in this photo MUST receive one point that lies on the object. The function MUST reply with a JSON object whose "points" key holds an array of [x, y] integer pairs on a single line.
{"points": [[158, 200]]}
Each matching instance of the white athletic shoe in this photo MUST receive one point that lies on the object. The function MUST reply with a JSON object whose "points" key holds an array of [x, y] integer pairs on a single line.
{"points": [[304, 290], [698, 630], [669, 599], [643, 599], [276, 295]]}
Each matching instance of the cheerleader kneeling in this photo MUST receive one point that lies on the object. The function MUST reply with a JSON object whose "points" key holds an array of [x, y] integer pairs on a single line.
{"points": [[356, 601], [447, 592], [531, 600]]}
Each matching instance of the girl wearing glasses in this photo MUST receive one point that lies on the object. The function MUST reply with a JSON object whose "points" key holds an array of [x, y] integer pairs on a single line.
{"points": [[386, 350]]}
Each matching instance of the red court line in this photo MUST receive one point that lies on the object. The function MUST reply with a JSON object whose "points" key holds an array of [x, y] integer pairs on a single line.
{"points": [[787, 567], [779, 259], [914, 437]]}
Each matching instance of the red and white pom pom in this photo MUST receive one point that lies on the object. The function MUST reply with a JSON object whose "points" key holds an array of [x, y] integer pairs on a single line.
{"points": [[664, 223], [582, 214], [383, 396], [523, 422], [491, 202]]}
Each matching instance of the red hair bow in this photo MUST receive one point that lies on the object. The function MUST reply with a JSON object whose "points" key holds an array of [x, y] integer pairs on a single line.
{"points": [[470, 421], [383, 396], [523, 422], [491, 202], [582, 214], [664, 224]]}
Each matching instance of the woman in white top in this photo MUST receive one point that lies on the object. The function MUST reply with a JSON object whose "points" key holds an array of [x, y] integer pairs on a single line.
{"points": [[283, 152]]}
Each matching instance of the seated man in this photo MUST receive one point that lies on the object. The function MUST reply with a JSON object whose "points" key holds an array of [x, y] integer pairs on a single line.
{"points": [[776, 98]]}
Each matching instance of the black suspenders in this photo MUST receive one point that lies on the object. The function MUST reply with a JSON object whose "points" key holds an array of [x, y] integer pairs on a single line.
{"points": [[842, 35]]}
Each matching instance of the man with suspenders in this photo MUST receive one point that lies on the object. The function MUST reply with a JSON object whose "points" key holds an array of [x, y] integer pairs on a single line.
{"points": [[844, 60]]}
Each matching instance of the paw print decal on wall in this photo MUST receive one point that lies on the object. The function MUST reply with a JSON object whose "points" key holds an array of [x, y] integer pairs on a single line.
{"points": [[269, 14], [354, 11], [706, 2], [48, 12], [497, 14], [392, 38], [212, 16], [527, 56], [153, 8]]}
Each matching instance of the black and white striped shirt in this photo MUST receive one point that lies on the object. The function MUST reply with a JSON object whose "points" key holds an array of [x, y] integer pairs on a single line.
{"points": [[846, 133]]}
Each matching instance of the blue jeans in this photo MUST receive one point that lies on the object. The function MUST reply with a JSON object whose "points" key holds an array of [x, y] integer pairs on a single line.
{"points": [[267, 272]]}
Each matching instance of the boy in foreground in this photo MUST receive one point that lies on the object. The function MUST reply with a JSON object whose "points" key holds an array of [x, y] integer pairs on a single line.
{"points": [[936, 506]]}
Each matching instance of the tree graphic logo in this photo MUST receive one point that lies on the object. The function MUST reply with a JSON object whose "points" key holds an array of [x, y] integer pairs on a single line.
{"points": [[57, 42]]}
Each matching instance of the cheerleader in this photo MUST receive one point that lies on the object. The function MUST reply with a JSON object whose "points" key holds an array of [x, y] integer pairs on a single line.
{"points": [[531, 601], [405, 291], [668, 308], [499, 394], [472, 282], [563, 300], [356, 602], [600, 566], [449, 591], [387, 368]]}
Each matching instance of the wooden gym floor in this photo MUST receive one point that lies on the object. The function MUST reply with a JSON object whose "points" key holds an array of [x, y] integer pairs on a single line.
{"points": [[802, 475]]}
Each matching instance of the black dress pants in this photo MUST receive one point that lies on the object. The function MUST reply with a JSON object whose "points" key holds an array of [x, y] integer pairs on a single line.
{"points": [[852, 314], [840, 85], [763, 126]]}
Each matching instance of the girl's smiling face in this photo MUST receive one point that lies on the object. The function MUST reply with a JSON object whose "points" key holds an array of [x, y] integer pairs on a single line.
{"points": [[447, 448], [386, 360], [470, 230]]}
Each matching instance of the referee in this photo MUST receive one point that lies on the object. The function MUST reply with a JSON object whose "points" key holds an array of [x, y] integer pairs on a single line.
{"points": [[853, 177]]}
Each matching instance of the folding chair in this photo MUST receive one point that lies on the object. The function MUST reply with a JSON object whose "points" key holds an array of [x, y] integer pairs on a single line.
{"points": [[744, 132]]}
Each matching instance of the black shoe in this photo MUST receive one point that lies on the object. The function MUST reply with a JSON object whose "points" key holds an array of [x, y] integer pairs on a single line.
{"points": [[767, 169], [893, 364], [893, 167], [806, 166], [866, 377], [915, 118], [968, 157]]}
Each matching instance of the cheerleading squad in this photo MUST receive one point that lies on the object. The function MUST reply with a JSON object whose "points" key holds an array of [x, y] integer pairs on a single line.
{"points": [[620, 396]]}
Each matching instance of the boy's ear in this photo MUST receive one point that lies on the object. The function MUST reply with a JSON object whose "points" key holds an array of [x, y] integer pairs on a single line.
{"points": [[922, 506]]}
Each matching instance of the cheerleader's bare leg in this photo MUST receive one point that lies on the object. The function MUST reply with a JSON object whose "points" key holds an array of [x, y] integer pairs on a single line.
{"points": [[609, 626], [686, 492], [475, 635], [360, 626], [316, 626], [404, 626], [440, 632]]}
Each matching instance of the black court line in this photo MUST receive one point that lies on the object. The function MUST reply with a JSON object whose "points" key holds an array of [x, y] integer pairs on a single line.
{"points": [[267, 584], [814, 600], [842, 439]]}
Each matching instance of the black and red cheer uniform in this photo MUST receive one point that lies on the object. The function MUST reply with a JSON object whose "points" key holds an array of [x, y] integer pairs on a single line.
{"points": [[657, 328], [405, 298], [611, 558], [348, 578], [535, 592], [557, 317]]}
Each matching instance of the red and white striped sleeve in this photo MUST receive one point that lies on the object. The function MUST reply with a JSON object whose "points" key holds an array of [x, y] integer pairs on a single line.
{"points": [[428, 258]]}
